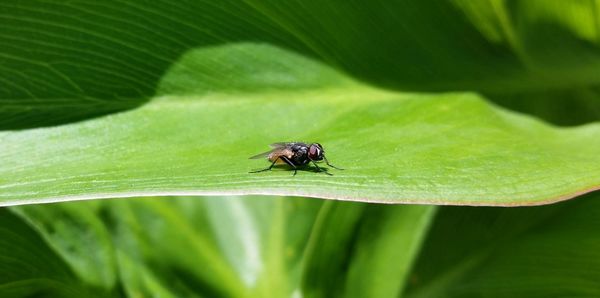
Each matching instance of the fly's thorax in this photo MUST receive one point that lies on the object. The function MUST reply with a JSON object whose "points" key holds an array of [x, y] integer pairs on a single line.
{"points": [[300, 155]]}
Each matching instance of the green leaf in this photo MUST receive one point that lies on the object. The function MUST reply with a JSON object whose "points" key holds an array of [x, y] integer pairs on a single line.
{"points": [[396, 147], [547, 251]]}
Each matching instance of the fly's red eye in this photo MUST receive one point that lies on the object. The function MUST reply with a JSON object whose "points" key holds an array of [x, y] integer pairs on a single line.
{"points": [[315, 153]]}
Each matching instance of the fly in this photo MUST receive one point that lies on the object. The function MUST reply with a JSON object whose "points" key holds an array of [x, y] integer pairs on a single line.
{"points": [[295, 155]]}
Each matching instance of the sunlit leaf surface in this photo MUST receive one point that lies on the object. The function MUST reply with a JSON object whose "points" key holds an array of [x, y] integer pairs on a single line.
{"points": [[195, 138]]}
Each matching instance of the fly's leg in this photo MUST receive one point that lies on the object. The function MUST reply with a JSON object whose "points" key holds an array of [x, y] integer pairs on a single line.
{"points": [[290, 163], [266, 169], [285, 159], [327, 162], [321, 170]]}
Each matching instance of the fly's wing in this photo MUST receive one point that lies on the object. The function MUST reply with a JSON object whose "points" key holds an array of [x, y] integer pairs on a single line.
{"points": [[263, 155], [275, 146]]}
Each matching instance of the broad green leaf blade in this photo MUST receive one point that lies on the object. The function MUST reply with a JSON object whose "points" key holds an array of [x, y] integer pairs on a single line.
{"points": [[396, 147], [546, 251]]}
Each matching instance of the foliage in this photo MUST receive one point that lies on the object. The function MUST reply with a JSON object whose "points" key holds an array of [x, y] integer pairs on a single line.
{"points": [[438, 102]]}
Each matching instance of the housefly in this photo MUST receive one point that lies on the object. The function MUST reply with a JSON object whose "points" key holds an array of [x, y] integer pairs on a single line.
{"points": [[295, 155]]}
